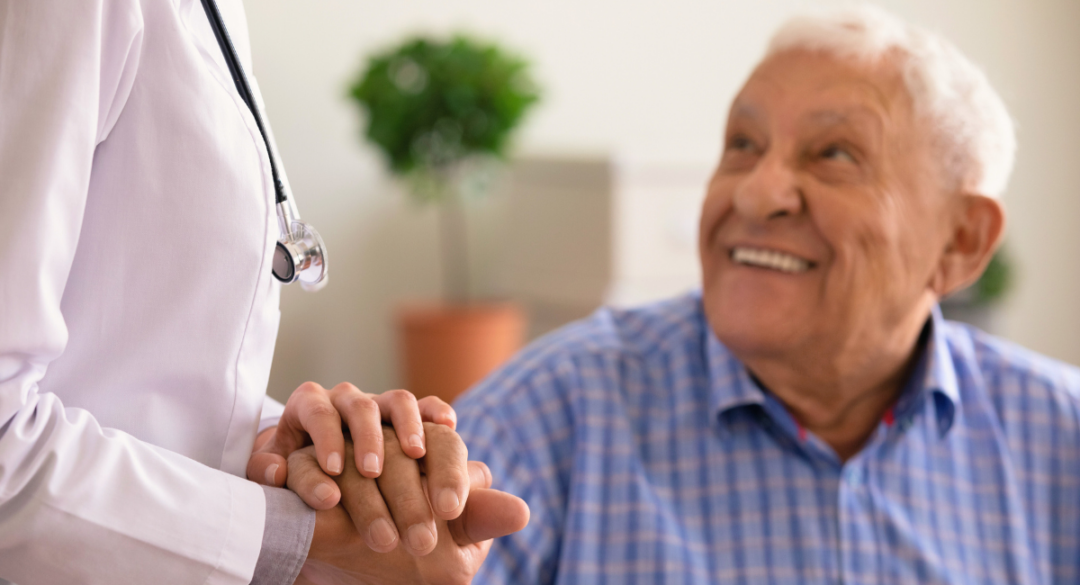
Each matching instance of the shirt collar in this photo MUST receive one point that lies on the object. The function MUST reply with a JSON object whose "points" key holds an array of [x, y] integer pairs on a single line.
{"points": [[732, 387], [935, 378], [730, 383]]}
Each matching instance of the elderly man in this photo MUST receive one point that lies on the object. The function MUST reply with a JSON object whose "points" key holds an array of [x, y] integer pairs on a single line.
{"points": [[809, 417]]}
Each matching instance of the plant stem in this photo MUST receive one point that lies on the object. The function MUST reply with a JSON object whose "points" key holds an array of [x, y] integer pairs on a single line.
{"points": [[455, 260]]}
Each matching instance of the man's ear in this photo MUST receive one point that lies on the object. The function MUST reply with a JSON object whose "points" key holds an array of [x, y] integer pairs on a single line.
{"points": [[977, 225]]}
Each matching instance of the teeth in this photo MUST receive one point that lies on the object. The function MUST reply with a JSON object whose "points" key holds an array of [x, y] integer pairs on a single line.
{"points": [[769, 259]]}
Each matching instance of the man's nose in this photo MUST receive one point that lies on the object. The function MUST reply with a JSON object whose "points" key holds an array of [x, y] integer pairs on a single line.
{"points": [[770, 191]]}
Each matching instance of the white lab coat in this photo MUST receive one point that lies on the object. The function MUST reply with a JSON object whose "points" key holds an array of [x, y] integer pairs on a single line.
{"points": [[137, 308]]}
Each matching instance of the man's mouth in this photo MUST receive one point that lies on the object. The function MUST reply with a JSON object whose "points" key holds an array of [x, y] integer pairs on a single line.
{"points": [[771, 259]]}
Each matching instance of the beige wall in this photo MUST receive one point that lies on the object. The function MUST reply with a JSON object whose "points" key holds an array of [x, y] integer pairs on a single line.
{"points": [[621, 74]]}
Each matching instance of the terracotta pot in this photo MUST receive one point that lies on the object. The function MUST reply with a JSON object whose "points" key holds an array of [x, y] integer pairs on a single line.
{"points": [[446, 348]]}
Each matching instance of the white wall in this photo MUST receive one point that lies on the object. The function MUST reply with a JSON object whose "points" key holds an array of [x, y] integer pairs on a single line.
{"points": [[617, 75]]}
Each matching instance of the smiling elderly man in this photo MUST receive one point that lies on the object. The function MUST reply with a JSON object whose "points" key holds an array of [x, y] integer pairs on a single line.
{"points": [[809, 417]]}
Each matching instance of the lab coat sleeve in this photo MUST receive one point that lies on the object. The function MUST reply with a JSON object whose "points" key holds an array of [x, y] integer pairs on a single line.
{"points": [[80, 503]]}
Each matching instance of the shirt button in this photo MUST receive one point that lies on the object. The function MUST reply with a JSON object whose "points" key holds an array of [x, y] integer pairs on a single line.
{"points": [[853, 476]]}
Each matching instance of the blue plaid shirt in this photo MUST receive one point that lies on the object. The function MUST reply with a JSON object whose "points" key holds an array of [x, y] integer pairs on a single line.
{"points": [[648, 455]]}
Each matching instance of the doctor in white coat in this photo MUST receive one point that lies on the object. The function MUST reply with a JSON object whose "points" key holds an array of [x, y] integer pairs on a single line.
{"points": [[137, 308]]}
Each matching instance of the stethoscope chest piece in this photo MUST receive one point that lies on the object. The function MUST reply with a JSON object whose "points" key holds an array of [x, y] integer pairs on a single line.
{"points": [[301, 256]]}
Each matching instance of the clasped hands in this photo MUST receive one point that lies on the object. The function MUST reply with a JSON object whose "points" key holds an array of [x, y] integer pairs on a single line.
{"points": [[394, 504]]}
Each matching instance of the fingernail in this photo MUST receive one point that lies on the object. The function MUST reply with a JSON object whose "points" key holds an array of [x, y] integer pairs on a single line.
{"points": [[371, 463], [448, 500], [333, 463], [381, 533], [271, 472], [416, 441], [323, 492], [420, 538]]}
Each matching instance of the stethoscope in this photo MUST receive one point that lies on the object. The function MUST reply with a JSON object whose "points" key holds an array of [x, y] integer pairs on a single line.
{"points": [[300, 253]]}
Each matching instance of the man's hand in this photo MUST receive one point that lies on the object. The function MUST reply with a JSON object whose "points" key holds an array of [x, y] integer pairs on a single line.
{"points": [[401, 504], [451, 554], [313, 416]]}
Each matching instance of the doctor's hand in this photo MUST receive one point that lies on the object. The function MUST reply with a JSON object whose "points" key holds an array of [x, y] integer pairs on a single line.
{"points": [[346, 536], [314, 416]]}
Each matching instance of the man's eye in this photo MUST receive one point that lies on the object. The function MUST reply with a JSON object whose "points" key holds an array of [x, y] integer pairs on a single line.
{"points": [[837, 153], [740, 143]]}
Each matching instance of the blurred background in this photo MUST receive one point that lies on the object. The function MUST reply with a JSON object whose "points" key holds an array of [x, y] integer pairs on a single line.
{"points": [[599, 203]]}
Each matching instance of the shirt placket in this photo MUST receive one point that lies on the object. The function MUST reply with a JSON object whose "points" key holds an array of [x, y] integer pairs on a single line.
{"points": [[858, 547], [859, 551]]}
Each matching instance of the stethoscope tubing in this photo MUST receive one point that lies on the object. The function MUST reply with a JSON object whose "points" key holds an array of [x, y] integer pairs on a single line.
{"points": [[300, 253], [240, 79]]}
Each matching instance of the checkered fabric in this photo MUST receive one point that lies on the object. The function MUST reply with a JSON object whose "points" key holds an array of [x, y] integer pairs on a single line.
{"points": [[648, 455]]}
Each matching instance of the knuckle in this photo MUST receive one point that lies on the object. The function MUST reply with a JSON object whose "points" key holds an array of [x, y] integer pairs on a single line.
{"points": [[322, 410], [440, 432], [345, 387], [445, 440], [301, 461], [302, 475], [367, 437], [358, 501], [309, 477], [413, 506], [402, 397], [308, 388], [359, 404], [435, 429], [305, 453], [361, 512], [433, 402]]}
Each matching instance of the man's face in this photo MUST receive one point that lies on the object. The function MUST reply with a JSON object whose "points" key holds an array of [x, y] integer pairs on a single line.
{"points": [[826, 217]]}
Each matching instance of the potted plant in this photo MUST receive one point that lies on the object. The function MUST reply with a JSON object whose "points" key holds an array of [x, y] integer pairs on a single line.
{"points": [[442, 113]]}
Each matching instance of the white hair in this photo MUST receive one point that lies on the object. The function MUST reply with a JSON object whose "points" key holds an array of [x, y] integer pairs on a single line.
{"points": [[973, 128]]}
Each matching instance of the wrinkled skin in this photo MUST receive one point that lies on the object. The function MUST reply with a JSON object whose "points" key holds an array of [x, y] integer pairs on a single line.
{"points": [[341, 552], [827, 161]]}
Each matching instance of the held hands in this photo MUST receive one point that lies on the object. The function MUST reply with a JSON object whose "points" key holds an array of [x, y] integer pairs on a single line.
{"points": [[314, 415], [435, 550], [410, 486], [400, 504]]}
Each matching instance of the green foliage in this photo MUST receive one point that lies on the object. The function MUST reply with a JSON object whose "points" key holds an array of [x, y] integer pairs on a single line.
{"points": [[995, 280], [431, 104]]}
